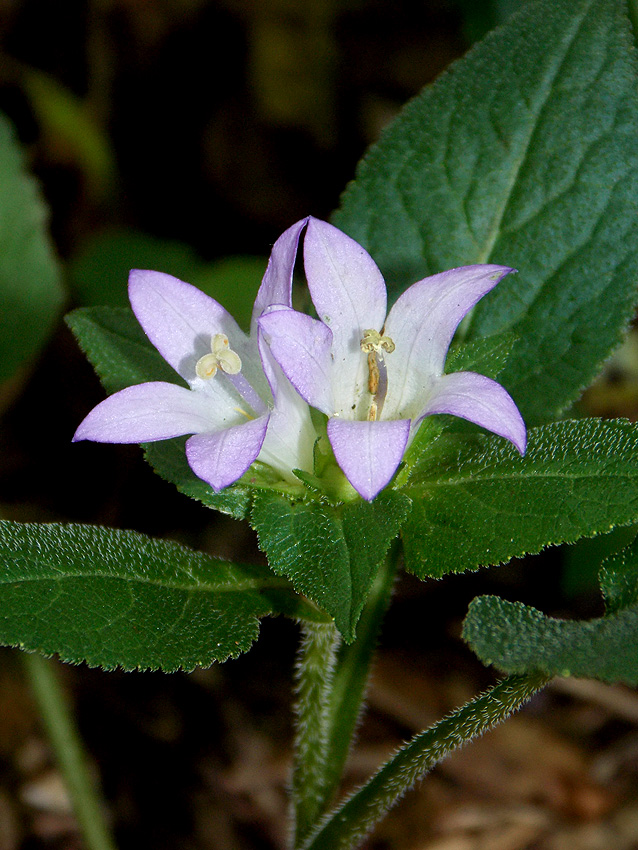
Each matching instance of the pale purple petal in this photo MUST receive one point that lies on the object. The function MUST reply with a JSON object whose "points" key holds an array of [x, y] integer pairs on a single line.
{"points": [[480, 400], [349, 295], [301, 345], [180, 319], [422, 324], [276, 286], [290, 438], [220, 459], [148, 412], [368, 452]]}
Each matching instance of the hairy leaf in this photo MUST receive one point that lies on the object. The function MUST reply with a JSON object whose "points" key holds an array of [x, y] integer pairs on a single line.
{"points": [[119, 599], [330, 554], [517, 638], [477, 502], [525, 153]]}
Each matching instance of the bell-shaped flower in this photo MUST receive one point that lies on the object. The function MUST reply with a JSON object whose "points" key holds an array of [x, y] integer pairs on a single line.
{"points": [[238, 404], [377, 377]]}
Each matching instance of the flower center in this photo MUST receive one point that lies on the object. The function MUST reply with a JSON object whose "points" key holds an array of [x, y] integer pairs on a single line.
{"points": [[374, 344], [221, 357]]}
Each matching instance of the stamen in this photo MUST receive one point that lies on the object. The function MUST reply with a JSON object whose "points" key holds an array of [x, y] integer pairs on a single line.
{"points": [[374, 344], [222, 356], [375, 341]]}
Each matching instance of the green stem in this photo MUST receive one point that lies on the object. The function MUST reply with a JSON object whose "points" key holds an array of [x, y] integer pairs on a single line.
{"points": [[314, 673], [352, 675], [69, 751], [347, 827]]}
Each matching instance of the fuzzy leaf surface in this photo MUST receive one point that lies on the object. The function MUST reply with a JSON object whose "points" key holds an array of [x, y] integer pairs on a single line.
{"points": [[477, 502], [524, 153], [330, 554], [120, 599], [517, 638]]}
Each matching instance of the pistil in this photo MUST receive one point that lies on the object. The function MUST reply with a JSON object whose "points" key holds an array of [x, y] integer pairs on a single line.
{"points": [[221, 357]]}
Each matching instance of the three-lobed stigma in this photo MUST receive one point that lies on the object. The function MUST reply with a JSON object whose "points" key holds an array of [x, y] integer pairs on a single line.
{"points": [[221, 357]]}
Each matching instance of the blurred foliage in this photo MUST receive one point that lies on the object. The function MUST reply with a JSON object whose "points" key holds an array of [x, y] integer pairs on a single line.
{"points": [[30, 290]]}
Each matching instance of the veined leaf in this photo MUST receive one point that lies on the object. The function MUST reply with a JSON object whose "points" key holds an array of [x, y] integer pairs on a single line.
{"points": [[119, 599], [524, 153], [329, 554], [477, 502]]}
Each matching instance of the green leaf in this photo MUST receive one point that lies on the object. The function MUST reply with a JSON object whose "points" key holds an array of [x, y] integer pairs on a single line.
{"points": [[517, 638], [30, 290], [122, 355], [525, 153], [119, 599], [477, 502], [168, 459], [118, 348], [346, 827], [330, 554], [487, 356], [619, 579]]}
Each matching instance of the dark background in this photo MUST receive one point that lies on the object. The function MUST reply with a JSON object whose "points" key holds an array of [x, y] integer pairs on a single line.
{"points": [[216, 125]]}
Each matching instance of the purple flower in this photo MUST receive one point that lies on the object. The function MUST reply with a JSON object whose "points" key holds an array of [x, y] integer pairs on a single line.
{"points": [[239, 406], [377, 377]]}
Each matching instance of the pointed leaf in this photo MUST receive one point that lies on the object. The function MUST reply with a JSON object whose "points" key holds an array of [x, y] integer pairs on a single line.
{"points": [[477, 502], [330, 554], [524, 153]]}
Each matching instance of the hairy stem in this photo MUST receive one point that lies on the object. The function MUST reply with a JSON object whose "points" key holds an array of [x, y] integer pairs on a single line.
{"points": [[347, 826], [314, 674], [67, 745]]}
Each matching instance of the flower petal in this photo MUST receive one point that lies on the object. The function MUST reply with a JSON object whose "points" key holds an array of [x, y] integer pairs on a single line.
{"points": [[221, 458], [179, 319], [276, 286], [152, 411], [301, 345], [368, 452], [349, 295], [422, 324], [480, 400], [290, 438]]}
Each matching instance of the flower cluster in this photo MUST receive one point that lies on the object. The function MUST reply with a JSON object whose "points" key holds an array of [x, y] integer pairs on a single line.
{"points": [[375, 376]]}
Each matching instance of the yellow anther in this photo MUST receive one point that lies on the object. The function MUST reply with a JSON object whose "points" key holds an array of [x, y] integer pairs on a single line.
{"points": [[222, 356], [375, 341]]}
